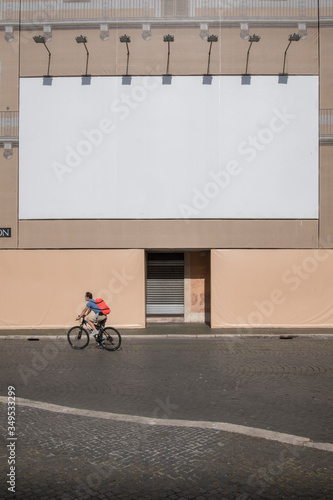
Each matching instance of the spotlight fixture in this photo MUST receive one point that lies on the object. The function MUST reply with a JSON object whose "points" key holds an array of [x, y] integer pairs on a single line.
{"points": [[204, 31], [126, 39], [47, 33], [9, 33], [41, 39], [146, 31], [295, 37], [244, 31], [83, 39], [254, 38], [251, 39], [211, 39], [104, 32], [168, 39], [8, 150], [302, 31]]}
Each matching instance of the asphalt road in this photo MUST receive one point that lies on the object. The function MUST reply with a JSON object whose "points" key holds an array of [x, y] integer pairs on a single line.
{"points": [[266, 383], [281, 385]]}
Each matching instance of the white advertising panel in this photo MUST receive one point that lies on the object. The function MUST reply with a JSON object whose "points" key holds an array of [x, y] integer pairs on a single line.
{"points": [[189, 148]]}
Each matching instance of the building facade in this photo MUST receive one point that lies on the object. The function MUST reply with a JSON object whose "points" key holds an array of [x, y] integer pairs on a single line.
{"points": [[173, 157]]}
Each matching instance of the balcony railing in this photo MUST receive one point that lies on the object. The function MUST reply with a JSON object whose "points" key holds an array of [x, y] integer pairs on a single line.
{"points": [[9, 125], [326, 123], [131, 10]]}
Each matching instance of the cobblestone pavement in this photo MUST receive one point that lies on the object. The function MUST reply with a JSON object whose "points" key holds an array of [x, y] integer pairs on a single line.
{"points": [[267, 383], [281, 385], [69, 457]]}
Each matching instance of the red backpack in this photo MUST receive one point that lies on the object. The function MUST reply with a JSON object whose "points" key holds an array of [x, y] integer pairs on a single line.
{"points": [[102, 305]]}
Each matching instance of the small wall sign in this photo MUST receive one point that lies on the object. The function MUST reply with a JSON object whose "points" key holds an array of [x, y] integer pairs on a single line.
{"points": [[5, 232]]}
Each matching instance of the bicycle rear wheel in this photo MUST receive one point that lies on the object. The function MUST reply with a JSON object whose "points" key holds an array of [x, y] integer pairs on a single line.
{"points": [[78, 337], [110, 338]]}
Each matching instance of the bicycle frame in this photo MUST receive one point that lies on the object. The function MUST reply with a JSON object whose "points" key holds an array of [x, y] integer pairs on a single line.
{"points": [[98, 326], [107, 337]]}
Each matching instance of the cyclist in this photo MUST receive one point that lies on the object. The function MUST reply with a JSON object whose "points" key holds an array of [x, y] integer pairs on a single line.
{"points": [[97, 317]]}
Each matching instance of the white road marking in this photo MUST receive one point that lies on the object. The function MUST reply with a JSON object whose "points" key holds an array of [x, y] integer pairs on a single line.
{"points": [[218, 426]]}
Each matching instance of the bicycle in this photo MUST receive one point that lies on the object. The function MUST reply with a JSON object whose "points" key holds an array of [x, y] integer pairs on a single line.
{"points": [[109, 338]]}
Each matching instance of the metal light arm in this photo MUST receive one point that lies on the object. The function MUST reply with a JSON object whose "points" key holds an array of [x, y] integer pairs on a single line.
{"points": [[211, 39], [85, 46], [292, 38]]}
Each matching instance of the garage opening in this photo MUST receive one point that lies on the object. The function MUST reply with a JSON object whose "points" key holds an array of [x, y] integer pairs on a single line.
{"points": [[165, 287]]}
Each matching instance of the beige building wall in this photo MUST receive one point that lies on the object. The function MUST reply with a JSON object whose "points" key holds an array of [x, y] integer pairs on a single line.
{"points": [[197, 287], [9, 85], [326, 67], [264, 272], [9, 200], [326, 198], [46, 288], [188, 53], [272, 288], [326, 148], [9, 101], [169, 234]]}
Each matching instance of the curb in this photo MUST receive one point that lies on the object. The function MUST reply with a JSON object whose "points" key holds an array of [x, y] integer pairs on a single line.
{"points": [[181, 336]]}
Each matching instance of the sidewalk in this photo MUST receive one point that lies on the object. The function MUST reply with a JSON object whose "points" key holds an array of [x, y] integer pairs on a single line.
{"points": [[178, 329]]}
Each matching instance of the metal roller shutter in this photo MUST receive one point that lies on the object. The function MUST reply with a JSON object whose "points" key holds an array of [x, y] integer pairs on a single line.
{"points": [[165, 284]]}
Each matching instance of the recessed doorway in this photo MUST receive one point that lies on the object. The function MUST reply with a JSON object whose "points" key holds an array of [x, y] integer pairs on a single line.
{"points": [[165, 287]]}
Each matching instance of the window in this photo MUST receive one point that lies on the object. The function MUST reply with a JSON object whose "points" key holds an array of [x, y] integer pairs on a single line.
{"points": [[173, 8]]}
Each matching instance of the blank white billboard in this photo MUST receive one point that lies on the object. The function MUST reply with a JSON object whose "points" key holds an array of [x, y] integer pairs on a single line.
{"points": [[150, 149]]}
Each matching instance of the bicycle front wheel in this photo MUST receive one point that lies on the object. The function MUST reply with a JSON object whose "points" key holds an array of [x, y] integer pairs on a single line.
{"points": [[110, 338], [78, 337]]}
